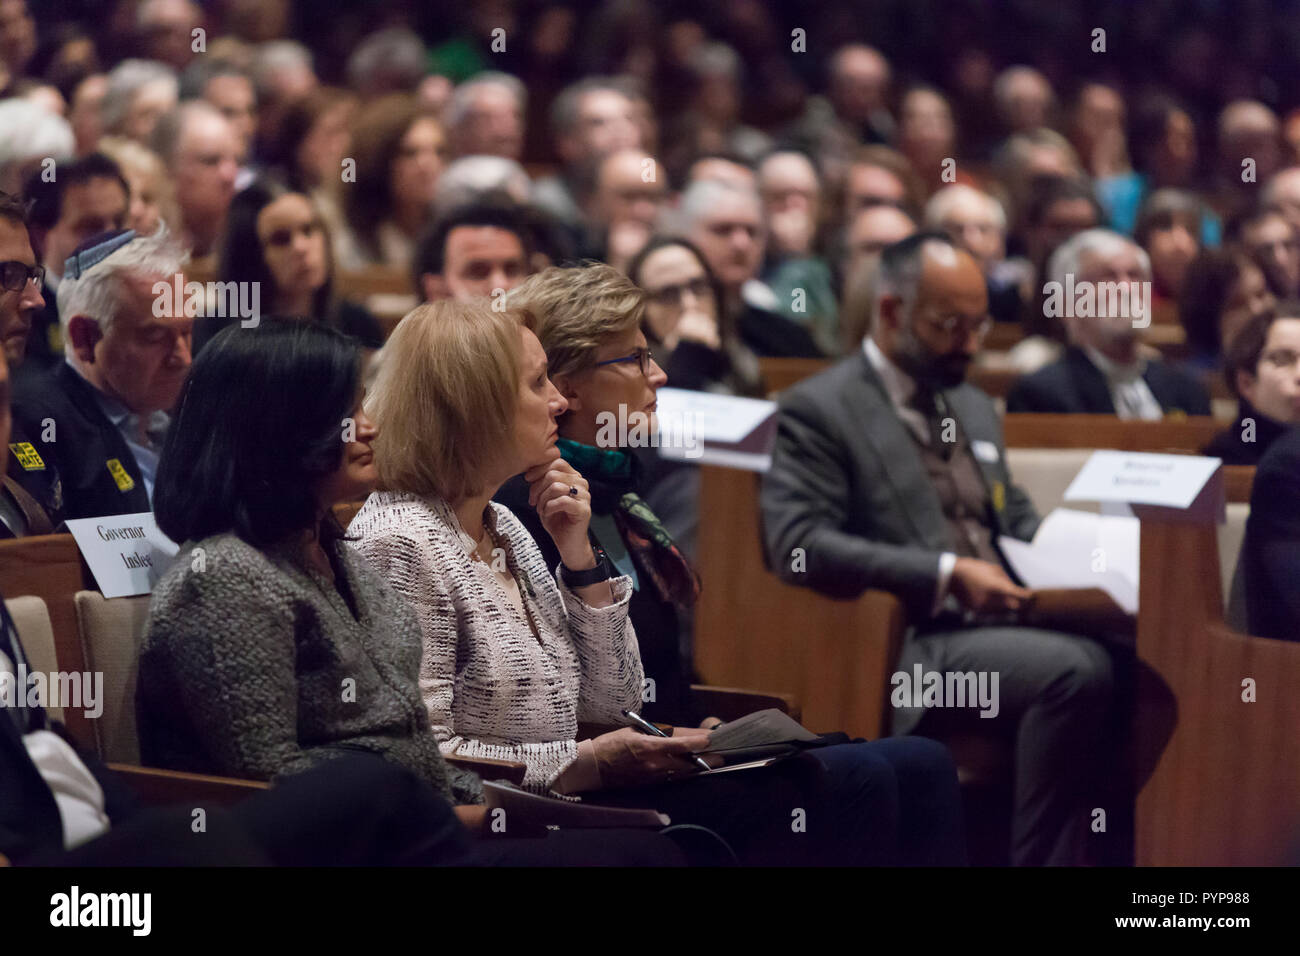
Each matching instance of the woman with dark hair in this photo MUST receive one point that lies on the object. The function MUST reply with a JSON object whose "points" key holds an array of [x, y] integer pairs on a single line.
{"points": [[311, 141], [399, 152], [682, 326], [271, 648], [276, 238], [308, 146], [1223, 288], [1262, 368]]}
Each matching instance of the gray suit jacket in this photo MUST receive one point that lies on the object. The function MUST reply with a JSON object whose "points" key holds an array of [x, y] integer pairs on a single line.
{"points": [[848, 486]]}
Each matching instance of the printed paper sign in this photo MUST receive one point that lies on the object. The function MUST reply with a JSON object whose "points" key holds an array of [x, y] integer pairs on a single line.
{"points": [[126, 553], [1171, 481]]}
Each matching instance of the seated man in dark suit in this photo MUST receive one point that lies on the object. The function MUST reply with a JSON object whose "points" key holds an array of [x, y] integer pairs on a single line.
{"points": [[889, 472], [100, 415], [1099, 283], [726, 223], [88, 197], [31, 498], [1270, 554]]}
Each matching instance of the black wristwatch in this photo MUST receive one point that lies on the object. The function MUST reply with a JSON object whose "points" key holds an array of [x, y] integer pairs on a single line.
{"points": [[603, 571]]}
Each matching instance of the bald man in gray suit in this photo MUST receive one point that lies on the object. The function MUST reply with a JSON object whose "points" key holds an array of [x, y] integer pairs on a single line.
{"points": [[890, 472]]}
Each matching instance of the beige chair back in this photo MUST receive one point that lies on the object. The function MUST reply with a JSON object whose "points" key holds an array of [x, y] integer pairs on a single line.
{"points": [[32, 619], [1045, 473], [111, 632]]}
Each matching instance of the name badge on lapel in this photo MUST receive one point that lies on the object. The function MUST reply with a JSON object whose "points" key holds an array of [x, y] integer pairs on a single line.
{"points": [[27, 456], [124, 481], [984, 451]]}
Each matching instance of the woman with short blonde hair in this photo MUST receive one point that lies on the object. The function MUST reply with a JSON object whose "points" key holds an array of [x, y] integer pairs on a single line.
{"points": [[464, 360]]}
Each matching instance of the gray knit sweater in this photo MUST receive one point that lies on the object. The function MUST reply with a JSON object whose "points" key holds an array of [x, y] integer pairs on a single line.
{"points": [[254, 667]]}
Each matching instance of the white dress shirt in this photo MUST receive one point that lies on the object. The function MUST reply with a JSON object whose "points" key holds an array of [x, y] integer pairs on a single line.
{"points": [[901, 387], [76, 791], [1129, 392]]}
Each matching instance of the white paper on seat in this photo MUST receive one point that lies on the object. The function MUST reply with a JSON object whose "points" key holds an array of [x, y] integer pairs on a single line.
{"points": [[1076, 549]]}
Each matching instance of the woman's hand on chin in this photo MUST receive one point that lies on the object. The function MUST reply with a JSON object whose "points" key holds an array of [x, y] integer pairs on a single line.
{"points": [[563, 502]]}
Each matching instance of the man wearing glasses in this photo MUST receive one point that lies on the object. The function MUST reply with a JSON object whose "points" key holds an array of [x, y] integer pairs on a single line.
{"points": [[32, 498], [889, 472]]}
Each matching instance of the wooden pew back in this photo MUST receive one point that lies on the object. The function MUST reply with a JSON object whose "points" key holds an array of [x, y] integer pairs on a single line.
{"points": [[754, 630]]}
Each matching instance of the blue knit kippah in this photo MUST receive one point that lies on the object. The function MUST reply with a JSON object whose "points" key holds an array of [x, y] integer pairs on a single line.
{"points": [[95, 250]]}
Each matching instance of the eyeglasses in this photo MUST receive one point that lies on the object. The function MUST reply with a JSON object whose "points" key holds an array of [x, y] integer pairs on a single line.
{"points": [[670, 296], [961, 327], [15, 275], [643, 358]]}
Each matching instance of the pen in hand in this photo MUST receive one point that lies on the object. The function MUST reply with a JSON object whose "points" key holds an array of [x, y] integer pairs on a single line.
{"points": [[646, 727]]}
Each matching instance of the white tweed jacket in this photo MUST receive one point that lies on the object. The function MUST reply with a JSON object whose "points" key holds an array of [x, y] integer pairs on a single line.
{"points": [[491, 688]]}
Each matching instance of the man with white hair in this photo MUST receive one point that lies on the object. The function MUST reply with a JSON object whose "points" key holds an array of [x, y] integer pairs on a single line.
{"points": [[139, 93], [470, 178], [726, 224], [1099, 285], [32, 135], [100, 416], [977, 223], [486, 116]]}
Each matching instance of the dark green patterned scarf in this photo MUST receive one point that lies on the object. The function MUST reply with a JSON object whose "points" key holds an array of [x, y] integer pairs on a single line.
{"points": [[612, 474]]}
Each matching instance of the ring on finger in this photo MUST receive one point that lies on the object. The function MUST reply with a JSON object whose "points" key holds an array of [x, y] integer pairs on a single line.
{"points": [[573, 491]]}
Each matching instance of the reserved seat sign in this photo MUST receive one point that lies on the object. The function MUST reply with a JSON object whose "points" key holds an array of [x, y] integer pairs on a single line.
{"points": [[126, 553]]}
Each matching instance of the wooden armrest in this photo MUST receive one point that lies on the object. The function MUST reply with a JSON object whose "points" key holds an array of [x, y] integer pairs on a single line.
{"points": [[729, 703], [160, 787], [490, 769]]}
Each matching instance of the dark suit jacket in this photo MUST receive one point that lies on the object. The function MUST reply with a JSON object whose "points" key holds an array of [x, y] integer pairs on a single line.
{"points": [[29, 817], [1270, 554], [774, 336], [1072, 384], [848, 485], [35, 474], [85, 441]]}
